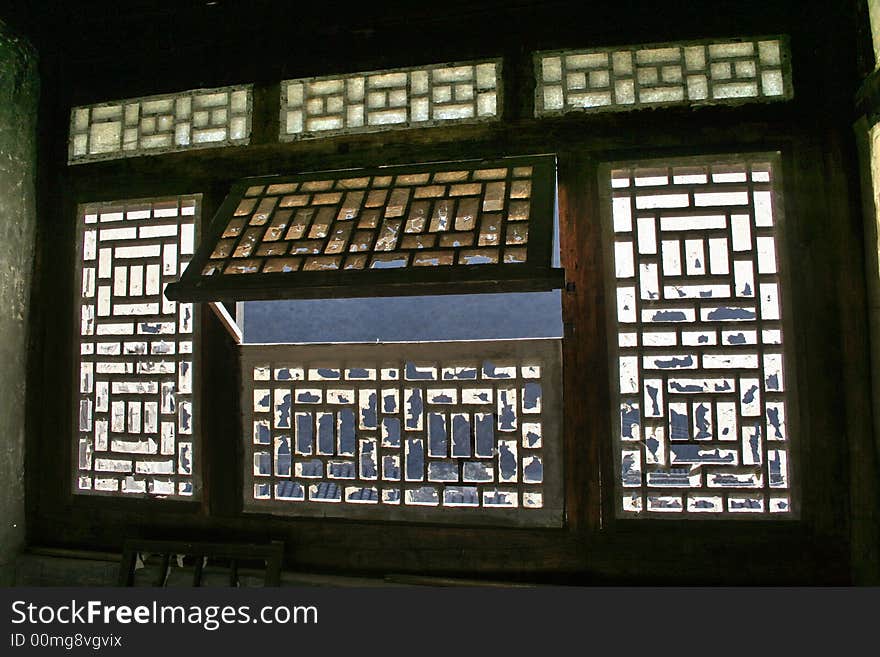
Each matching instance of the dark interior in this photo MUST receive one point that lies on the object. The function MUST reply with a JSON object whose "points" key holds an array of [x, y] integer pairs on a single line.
{"points": [[96, 50]]}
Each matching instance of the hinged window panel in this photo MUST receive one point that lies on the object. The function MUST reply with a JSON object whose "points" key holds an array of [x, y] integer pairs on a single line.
{"points": [[438, 431], [451, 227]]}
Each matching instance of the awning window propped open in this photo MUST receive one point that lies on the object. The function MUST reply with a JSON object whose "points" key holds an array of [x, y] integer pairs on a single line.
{"points": [[450, 227]]}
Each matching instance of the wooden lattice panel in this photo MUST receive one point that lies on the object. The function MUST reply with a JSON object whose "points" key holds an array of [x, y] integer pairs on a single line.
{"points": [[135, 422], [197, 118], [399, 98], [323, 235], [615, 79], [457, 431], [699, 365]]}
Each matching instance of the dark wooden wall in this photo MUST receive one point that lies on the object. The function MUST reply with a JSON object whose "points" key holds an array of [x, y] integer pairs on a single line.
{"points": [[97, 50]]}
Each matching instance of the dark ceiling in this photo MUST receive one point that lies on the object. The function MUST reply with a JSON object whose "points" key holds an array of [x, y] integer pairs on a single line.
{"points": [[100, 49], [87, 28]]}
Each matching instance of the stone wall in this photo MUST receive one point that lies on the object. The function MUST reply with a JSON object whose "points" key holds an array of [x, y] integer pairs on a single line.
{"points": [[19, 90]]}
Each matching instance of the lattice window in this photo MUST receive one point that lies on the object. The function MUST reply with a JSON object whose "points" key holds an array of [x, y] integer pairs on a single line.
{"points": [[483, 223], [405, 431], [615, 79], [379, 100], [135, 414], [158, 124], [703, 401]]}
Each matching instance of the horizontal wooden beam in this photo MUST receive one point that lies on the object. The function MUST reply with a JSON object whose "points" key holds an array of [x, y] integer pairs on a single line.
{"points": [[342, 285]]}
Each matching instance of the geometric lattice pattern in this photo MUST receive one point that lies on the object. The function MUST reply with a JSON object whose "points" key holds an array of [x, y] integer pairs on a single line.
{"points": [[399, 98], [700, 376], [328, 427], [158, 124], [135, 402], [636, 76], [423, 218]]}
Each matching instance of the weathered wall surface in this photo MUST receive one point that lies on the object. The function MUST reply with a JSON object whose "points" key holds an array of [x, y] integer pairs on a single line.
{"points": [[866, 531], [19, 89], [874, 13]]}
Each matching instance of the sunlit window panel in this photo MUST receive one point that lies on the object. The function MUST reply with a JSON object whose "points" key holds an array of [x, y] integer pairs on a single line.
{"points": [[485, 223], [699, 368], [397, 98], [692, 73], [199, 118], [135, 422], [440, 431]]}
